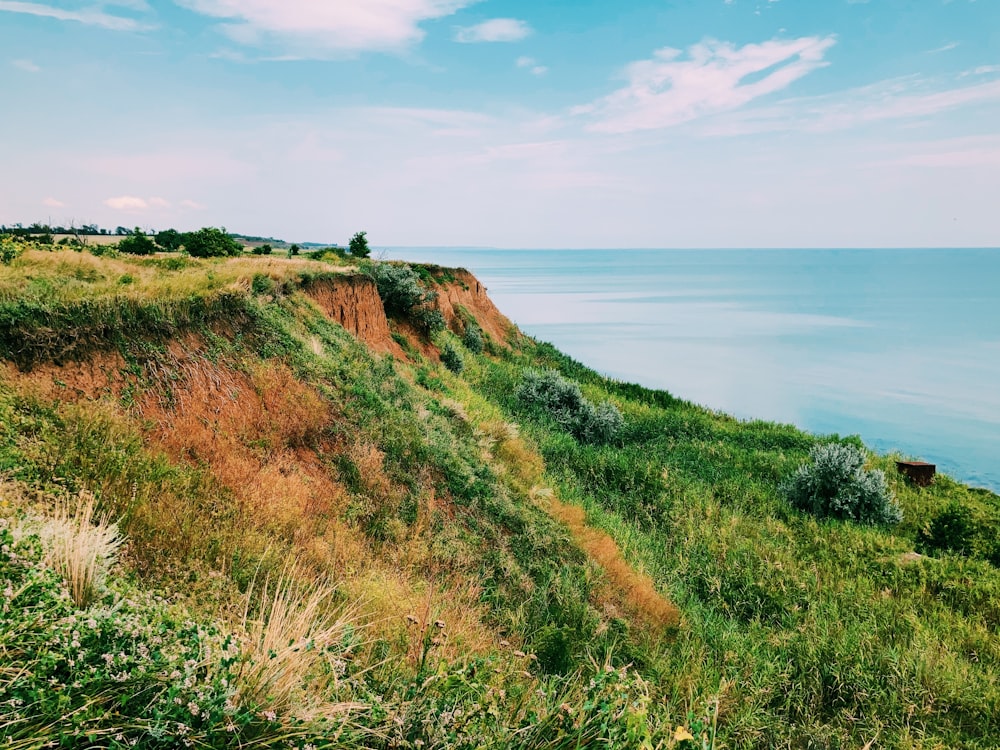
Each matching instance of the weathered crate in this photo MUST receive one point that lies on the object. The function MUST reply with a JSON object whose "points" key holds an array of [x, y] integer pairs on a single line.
{"points": [[920, 473]]}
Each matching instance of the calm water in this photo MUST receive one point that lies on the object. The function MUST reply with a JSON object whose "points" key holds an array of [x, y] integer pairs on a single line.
{"points": [[899, 346]]}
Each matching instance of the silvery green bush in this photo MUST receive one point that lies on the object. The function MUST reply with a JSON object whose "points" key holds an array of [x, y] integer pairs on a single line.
{"points": [[563, 400], [835, 484], [472, 339]]}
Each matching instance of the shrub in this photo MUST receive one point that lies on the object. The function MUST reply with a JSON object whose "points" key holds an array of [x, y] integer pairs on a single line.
{"points": [[429, 319], [137, 243], [210, 242], [359, 245], [262, 284], [472, 339], [564, 402], [951, 530], [170, 240], [9, 249], [264, 249], [836, 485], [398, 286], [452, 359]]}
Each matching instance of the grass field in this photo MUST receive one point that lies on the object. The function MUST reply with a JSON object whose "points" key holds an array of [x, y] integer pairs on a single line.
{"points": [[324, 546]]}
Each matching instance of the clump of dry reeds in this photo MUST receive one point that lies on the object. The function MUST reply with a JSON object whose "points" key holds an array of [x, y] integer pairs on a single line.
{"points": [[81, 546], [290, 629]]}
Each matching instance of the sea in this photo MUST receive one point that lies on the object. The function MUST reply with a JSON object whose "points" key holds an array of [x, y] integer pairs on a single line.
{"points": [[899, 346]]}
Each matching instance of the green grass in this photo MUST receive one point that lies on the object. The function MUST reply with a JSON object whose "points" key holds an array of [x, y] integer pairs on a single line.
{"points": [[795, 632]]}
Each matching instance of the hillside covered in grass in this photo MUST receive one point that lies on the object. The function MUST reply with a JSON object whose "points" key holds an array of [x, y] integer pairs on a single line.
{"points": [[328, 502]]}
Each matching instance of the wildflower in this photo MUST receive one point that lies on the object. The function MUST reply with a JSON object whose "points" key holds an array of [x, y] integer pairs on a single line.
{"points": [[681, 734], [270, 715], [193, 708]]}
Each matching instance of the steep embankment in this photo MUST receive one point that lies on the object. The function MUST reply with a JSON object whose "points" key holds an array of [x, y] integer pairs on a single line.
{"points": [[495, 530]]}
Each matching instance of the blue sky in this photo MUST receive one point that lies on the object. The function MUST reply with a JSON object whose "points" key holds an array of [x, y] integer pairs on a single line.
{"points": [[636, 123]]}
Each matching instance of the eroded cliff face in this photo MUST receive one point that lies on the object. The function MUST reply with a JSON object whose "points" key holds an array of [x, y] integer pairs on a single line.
{"points": [[353, 302], [468, 292]]}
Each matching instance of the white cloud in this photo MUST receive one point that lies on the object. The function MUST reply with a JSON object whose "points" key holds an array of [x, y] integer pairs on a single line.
{"points": [[716, 77], [127, 203], [494, 30], [943, 48], [26, 65], [310, 28], [91, 16], [982, 70], [191, 205], [158, 203], [895, 99], [53, 203], [531, 64]]}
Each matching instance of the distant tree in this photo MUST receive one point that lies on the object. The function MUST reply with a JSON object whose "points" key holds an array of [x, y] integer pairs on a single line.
{"points": [[170, 240], [137, 243], [264, 249], [294, 250], [209, 242], [121, 231], [359, 245]]}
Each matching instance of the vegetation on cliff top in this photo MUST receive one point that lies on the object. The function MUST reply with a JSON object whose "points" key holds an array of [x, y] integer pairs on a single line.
{"points": [[471, 569]]}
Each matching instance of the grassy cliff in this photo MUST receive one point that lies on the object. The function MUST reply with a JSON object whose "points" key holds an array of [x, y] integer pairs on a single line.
{"points": [[244, 505]]}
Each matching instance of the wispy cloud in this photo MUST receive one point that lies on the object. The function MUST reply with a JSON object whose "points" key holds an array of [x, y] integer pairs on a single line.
{"points": [[532, 65], [129, 203], [26, 65], [494, 30], [910, 97], [191, 205], [91, 15], [943, 48], [976, 152], [53, 203], [311, 29], [715, 77]]}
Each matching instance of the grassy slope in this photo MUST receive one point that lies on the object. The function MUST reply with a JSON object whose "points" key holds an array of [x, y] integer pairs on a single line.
{"points": [[230, 425]]}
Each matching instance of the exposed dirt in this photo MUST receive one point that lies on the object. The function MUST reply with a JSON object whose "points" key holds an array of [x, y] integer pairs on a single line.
{"points": [[470, 294], [353, 302]]}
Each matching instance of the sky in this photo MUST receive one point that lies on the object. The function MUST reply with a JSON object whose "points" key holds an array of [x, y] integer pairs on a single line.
{"points": [[509, 123]]}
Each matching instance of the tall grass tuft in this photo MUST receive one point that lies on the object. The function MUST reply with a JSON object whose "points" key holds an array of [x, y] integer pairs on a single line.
{"points": [[81, 546], [287, 642]]}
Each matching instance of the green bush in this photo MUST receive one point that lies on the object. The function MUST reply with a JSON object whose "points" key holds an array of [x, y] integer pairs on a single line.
{"points": [[472, 339], [210, 242], [170, 240], [137, 243], [398, 286], [429, 319], [951, 530], [836, 485], [402, 294], [9, 249], [564, 402], [264, 249], [452, 359], [262, 284]]}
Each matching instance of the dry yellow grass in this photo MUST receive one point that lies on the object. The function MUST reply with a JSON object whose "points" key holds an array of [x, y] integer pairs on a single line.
{"points": [[632, 590], [85, 276], [286, 642], [80, 546]]}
